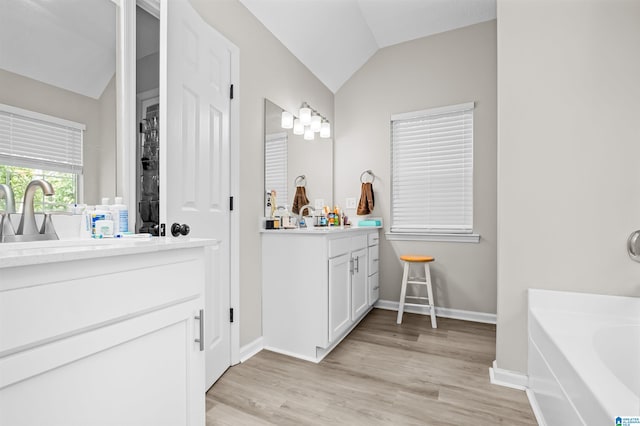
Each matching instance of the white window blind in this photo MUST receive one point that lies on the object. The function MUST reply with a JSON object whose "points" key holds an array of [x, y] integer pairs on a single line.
{"points": [[39, 141], [432, 170], [275, 166]]}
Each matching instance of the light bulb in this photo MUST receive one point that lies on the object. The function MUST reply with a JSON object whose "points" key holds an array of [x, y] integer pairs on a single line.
{"points": [[325, 130], [315, 123], [287, 120], [309, 134], [305, 115], [298, 128]]}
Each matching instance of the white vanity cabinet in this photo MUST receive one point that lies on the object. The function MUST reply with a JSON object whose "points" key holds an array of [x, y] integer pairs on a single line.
{"points": [[103, 340], [315, 289]]}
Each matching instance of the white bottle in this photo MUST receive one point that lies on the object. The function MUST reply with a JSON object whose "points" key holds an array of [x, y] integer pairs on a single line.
{"points": [[120, 216], [100, 213], [85, 222]]}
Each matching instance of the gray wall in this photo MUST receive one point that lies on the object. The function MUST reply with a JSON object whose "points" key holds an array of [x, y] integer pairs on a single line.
{"points": [[449, 68], [267, 70], [569, 144], [98, 115]]}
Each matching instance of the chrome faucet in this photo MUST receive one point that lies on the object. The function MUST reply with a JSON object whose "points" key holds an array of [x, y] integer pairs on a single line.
{"points": [[302, 209], [28, 220], [10, 202]]}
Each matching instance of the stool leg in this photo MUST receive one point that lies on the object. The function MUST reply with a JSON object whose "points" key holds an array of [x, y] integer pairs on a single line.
{"points": [[432, 305], [403, 292]]}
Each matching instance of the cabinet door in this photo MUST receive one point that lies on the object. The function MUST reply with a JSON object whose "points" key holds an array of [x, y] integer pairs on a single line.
{"points": [[146, 370], [359, 302], [339, 295]]}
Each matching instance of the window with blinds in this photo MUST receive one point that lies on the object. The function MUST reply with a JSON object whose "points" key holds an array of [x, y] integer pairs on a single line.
{"points": [[38, 141], [432, 171], [275, 166], [39, 146]]}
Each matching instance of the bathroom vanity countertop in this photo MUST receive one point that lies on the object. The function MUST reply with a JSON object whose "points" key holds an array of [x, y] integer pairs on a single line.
{"points": [[40, 252], [325, 230]]}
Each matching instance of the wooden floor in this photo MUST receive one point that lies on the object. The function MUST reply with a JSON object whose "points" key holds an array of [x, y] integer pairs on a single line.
{"points": [[381, 374]]}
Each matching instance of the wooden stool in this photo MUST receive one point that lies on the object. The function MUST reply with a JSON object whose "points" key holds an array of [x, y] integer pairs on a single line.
{"points": [[408, 260]]}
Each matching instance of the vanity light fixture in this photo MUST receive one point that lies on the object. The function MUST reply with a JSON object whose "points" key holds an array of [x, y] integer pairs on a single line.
{"points": [[287, 120], [309, 134], [305, 114], [316, 123], [325, 129]]}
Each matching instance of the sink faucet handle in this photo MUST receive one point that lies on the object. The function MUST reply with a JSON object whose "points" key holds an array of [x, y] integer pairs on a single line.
{"points": [[6, 228], [47, 228], [7, 192]]}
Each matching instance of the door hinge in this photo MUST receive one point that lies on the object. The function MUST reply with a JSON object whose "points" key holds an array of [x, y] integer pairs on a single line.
{"points": [[230, 314], [163, 231], [230, 203], [231, 92]]}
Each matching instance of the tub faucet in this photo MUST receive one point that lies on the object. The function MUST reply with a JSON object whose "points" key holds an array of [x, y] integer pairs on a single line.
{"points": [[7, 193], [28, 220]]}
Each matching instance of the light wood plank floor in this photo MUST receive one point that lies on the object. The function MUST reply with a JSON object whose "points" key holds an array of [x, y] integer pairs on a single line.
{"points": [[381, 374]]}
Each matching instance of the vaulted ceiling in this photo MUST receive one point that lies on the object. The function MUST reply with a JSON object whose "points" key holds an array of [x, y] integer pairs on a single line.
{"points": [[71, 43], [334, 38], [68, 44]]}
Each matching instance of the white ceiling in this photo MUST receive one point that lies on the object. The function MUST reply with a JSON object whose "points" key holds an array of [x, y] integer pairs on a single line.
{"points": [[334, 38], [68, 44]]}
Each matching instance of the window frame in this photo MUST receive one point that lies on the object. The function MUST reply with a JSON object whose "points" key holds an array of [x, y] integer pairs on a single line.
{"points": [[416, 234]]}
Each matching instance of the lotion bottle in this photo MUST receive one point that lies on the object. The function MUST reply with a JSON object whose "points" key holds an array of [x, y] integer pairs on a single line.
{"points": [[120, 216]]}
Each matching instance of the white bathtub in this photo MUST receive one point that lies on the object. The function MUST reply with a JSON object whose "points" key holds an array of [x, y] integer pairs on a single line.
{"points": [[584, 357]]}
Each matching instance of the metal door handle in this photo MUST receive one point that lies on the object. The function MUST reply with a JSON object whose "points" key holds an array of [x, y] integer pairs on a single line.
{"points": [[351, 266], [201, 339], [357, 263]]}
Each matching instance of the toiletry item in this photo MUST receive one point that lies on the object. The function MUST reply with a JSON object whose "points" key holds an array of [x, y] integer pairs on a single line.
{"points": [[101, 212], [285, 216], [104, 227], [85, 223], [273, 203], [120, 216]]}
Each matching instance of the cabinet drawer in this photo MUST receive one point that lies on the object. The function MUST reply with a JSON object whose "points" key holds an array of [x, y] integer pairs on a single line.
{"points": [[374, 289], [358, 242], [373, 260], [339, 246], [373, 238]]}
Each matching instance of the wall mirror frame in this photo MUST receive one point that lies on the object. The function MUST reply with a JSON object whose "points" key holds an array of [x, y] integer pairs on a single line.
{"points": [[288, 157]]}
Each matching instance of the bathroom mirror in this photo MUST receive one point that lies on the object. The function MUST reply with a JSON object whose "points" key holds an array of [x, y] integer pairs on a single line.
{"points": [[59, 59], [288, 156]]}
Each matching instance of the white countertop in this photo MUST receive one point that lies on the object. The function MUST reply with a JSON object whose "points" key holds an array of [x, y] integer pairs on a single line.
{"points": [[320, 230], [38, 252]]}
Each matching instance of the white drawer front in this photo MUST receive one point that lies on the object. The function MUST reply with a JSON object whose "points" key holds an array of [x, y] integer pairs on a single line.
{"points": [[374, 289], [339, 246], [373, 238], [358, 242], [373, 260]]}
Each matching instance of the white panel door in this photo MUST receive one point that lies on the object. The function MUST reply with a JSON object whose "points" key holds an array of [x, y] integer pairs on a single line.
{"points": [[195, 105], [339, 295]]}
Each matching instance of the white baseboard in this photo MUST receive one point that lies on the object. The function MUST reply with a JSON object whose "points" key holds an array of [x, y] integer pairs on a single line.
{"points": [[440, 312], [508, 378], [250, 349], [535, 408]]}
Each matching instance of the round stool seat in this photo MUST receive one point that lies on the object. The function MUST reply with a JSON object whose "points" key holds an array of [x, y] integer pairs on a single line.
{"points": [[416, 258]]}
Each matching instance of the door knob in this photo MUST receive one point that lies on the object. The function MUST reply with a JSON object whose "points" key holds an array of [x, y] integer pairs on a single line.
{"points": [[177, 229]]}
